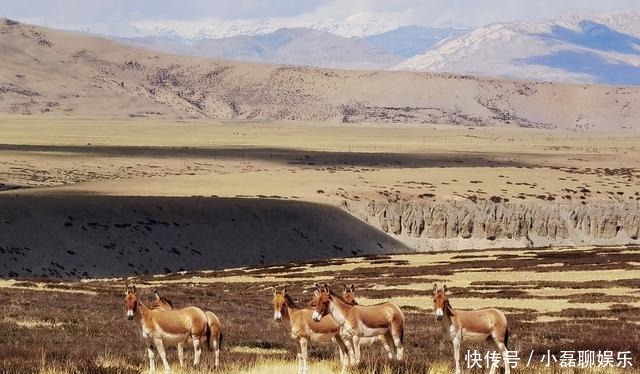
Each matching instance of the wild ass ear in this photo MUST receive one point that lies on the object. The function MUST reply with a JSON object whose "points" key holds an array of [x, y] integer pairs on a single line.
{"points": [[133, 289], [156, 294], [445, 289], [275, 290], [284, 290], [126, 289], [353, 288], [435, 288], [345, 288]]}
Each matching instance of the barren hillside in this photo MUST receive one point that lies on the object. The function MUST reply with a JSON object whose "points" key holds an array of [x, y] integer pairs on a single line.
{"points": [[63, 73], [115, 236]]}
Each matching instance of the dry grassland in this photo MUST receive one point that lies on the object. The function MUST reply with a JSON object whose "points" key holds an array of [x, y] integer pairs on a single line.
{"points": [[80, 326], [315, 163]]}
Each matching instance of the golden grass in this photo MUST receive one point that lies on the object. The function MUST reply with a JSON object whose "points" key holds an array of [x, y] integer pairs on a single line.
{"points": [[259, 351], [241, 279], [307, 135], [34, 323], [130, 174], [272, 366], [114, 362], [575, 320], [563, 292], [11, 283], [466, 278], [556, 305], [255, 344]]}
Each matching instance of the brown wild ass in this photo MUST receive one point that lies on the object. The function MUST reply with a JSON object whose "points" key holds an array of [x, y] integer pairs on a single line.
{"points": [[167, 327], [357, 321], [304, 329], [488, 325], [215, 341], [349, 295]]}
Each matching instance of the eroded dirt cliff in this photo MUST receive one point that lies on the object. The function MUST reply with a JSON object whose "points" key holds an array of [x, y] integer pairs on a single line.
{"points": [[431, 225]]}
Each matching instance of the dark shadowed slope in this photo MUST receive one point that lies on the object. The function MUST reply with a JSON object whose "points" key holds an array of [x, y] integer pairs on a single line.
{"points": [[70, 237]]}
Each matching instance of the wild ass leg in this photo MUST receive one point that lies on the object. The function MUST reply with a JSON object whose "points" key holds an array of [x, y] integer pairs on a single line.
{"points": [[342, 351], [493, 347], [502, 348], [181, 354], [299, 355], [160, 347], [385, 344], [456, 352], [348, 342], [305, 354], [197, 350], [356, 348], [397, 342], [216, 350], [503, 351], [388, 344], [152, 358]]}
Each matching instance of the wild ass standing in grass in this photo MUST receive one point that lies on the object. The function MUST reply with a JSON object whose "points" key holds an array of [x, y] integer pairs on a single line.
{"points": [[357, 321], [167, 327], [349, 295], [471, 325], [215, 341], [304, 329]]}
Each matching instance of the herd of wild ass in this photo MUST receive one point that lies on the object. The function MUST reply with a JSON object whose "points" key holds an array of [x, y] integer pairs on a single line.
{"points": [[328, 317]]}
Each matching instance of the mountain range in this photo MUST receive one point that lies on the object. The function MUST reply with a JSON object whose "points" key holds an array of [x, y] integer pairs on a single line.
{"points": [[55, 73], [594, 49], [306, 46], [577, 49]]}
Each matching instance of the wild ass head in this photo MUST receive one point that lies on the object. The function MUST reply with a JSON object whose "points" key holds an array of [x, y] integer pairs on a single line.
{"points": [[280, 302], [441, 303], [323, 299], [349, 294], [130, 302]]}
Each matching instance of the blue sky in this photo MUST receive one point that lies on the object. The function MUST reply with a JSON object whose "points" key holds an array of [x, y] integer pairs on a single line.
{"points": [[472, 13]]}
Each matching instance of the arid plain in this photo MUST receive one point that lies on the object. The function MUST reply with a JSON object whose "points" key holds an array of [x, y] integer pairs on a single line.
{"points": [[315, 162], [550, 295]]}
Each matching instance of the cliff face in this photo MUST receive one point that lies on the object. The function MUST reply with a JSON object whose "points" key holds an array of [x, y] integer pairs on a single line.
{"points": [[428, 225]]}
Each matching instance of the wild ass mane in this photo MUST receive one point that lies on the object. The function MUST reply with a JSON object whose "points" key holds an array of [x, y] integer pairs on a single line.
{"points": [[290, 303]]}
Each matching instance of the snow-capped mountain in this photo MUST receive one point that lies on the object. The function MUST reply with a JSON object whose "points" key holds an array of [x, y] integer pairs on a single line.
{"points": [[305, 46], [300, 46], [580, 48], [359, 25], [577, 48]]}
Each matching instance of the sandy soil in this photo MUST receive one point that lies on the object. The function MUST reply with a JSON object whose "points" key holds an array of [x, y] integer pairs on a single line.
{"points": [[315, 163]]}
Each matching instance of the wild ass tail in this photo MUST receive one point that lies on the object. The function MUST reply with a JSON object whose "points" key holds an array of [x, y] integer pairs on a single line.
{"points": [[208, 332], [506, 338]]}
